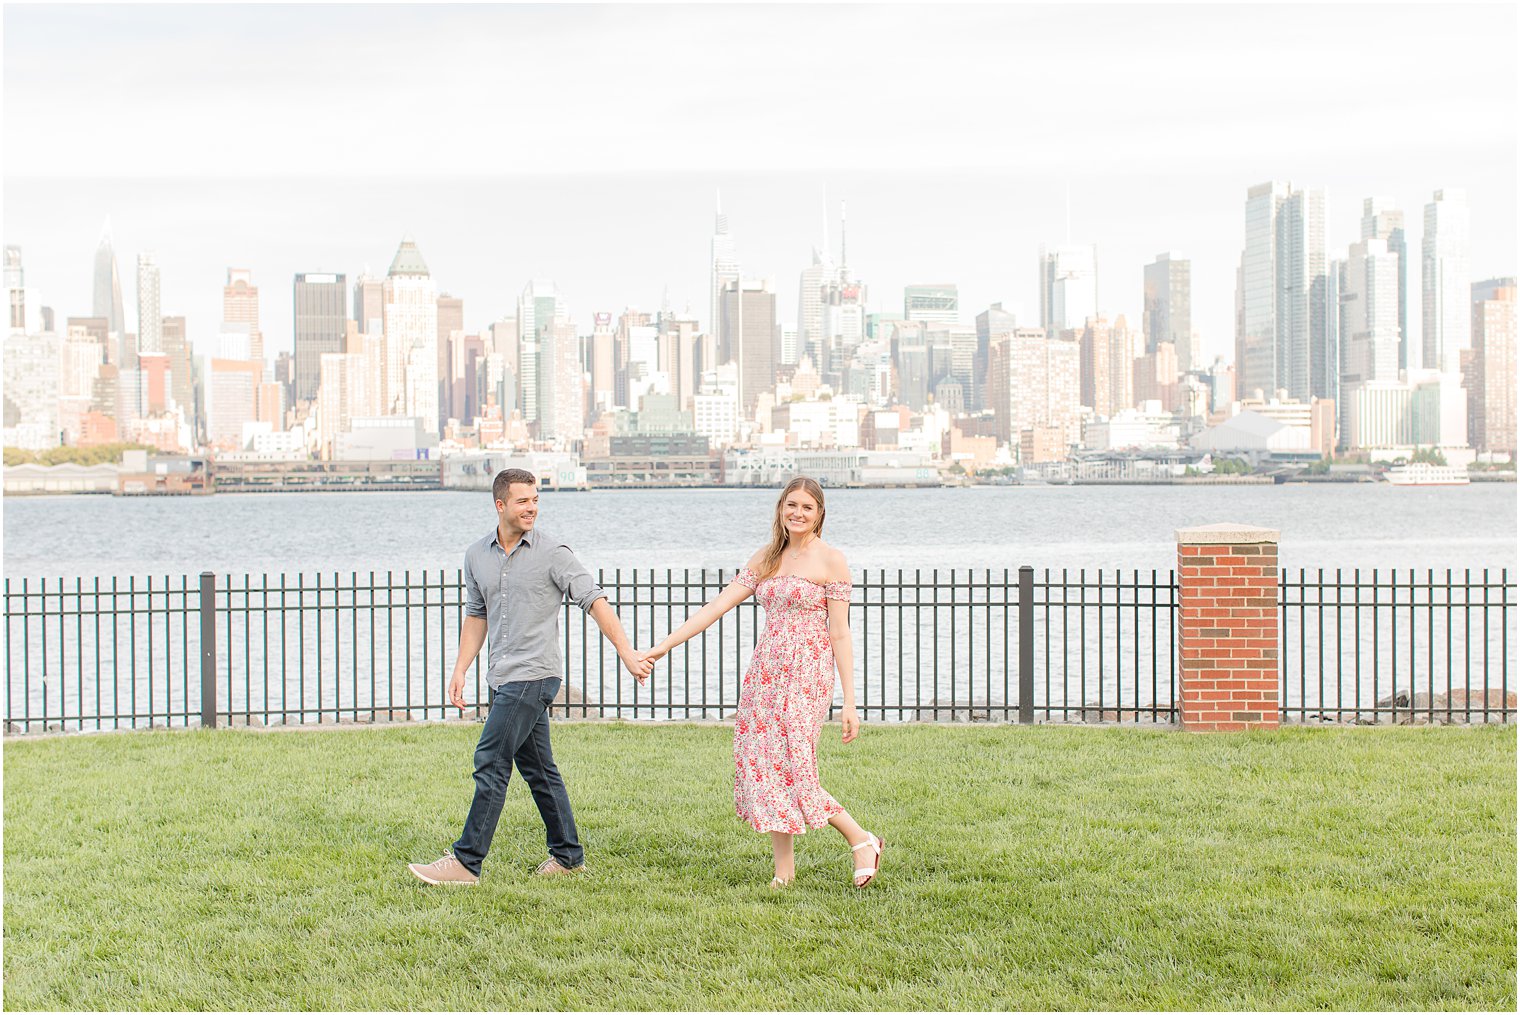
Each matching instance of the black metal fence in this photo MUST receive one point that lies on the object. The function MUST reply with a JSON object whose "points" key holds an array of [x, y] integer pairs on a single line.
{"points": [[1396, 646], [981, 645]]}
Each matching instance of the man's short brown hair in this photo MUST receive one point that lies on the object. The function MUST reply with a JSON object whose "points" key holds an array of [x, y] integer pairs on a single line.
{"points": [[501, 486]]}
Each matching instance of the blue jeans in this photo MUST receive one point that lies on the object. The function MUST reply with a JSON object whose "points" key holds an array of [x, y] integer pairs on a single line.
{"points": [[517, 731]]}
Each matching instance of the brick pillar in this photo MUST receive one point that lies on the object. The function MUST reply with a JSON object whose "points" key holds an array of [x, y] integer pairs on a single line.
{"points": [[1228, 636]]}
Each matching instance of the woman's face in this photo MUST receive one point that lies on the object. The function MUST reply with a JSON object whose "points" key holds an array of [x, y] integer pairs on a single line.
{"points": [[799, 513]]}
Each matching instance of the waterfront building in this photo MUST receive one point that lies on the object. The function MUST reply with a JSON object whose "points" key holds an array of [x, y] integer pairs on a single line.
{"points": [[1147, 426], [748, 336], [990, 323], [1378, 414], [819, 423], [1034, 381], [344, 393], [386, 438], [936, 303], [410, 379], [772, 466], [1156, 377], [602, 364], [1068, 287], [81, 358], [150, 321], [1369, 321], [715, 406], [232, 399], [1382, 221], [1286, 325], [1439, 406], [31, 391], [910, 355], [320, 327], [1445, 285], [562, 407], [538, 308], [1107, 365], [1490, 377], [1168, 315]]}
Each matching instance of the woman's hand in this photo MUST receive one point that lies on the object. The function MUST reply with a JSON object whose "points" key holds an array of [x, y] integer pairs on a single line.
{"points": [[849, 723]]}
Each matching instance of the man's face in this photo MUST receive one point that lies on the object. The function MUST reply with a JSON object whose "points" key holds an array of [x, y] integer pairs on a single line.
{"points": [[520, 509]]}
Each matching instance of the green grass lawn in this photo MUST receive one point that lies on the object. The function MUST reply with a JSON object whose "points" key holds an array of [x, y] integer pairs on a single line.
{"points": [[1037, 867]]}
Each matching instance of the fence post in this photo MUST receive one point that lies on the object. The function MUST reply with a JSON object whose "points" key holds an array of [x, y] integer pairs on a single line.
{"points": [[1026, 644], [208, 650], [1227, 627]]}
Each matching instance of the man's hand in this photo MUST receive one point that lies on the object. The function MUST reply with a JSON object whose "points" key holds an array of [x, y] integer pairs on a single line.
{"points": [[850, 723], [456, 690], [639, 664]]}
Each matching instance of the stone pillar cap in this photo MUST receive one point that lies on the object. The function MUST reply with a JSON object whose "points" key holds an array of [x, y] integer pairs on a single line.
{"points": [[1226, 532]]}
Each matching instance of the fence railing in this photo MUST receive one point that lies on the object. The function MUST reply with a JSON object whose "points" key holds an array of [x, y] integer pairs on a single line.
{"points": [[999, 645]]}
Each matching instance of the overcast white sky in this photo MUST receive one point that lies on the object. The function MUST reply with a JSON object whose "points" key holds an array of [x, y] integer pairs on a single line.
{"points": [[584, 143]]}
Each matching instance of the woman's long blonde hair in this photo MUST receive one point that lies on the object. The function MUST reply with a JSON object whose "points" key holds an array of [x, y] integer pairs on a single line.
{"points": [[771, 562]]}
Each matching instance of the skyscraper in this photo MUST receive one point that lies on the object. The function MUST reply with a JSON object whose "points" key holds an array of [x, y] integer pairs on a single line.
{"points": [[1444, 282], [369, 305], [411, 338], [1382, 221], [1068, 287], [1168, 315], [240, 305], [451, 395], [811, 339], [939, 303], [321, 320], [538, 308], [107, 293], [725, 264], [1490, 379], [1034, 382], [748, 337], [1368, 285], [150, 321], [1286, 327], [26, 309]]}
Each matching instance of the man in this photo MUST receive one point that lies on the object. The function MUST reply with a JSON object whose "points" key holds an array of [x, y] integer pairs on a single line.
{"points": [[515, 579]]}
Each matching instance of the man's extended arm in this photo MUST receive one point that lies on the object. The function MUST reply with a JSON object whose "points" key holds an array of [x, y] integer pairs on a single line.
{"points": [[472, 635], [607, 619]]}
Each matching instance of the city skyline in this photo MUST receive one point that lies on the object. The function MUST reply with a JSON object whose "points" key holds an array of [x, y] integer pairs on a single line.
{"points": [[1155, 144]]}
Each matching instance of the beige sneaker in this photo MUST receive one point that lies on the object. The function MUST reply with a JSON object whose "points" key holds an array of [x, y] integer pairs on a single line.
{"points": [[552, 866], [446, 870]]}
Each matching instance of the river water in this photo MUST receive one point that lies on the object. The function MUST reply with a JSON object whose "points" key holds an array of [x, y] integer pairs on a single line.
{"points": [[1324, 525]]}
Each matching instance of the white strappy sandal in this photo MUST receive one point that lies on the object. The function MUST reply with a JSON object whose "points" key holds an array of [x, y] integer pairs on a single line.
{"points": [[869, 873]]}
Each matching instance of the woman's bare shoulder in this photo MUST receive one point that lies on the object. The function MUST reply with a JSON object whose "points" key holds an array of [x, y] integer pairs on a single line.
{"points": [[834, 563], [756, 560]]}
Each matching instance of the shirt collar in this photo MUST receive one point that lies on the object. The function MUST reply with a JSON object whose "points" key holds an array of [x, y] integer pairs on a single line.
{"points": [[530, 537]]}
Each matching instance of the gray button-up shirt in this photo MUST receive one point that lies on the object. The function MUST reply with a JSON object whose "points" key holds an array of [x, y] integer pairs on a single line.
{"points": [[520, 592]]}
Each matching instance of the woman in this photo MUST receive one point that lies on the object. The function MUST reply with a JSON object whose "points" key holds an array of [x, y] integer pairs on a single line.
{"points": [[804, 585]]}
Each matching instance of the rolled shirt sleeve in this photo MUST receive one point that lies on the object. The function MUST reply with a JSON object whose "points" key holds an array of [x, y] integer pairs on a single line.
{"points": [[573, 579], [474, 600]]}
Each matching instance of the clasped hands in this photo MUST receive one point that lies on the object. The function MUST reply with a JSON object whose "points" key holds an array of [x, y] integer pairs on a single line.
{"points": [[640, 662]]}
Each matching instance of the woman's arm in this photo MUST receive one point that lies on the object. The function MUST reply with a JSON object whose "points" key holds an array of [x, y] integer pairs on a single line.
{"points": [[726, 600], [844, 647]]}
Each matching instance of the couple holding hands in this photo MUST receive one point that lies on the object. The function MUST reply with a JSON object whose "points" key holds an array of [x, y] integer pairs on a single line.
{"points": [[517, 578]]}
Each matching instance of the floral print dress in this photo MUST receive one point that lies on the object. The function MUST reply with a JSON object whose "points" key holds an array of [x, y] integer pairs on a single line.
{"points": [[785, 698]]}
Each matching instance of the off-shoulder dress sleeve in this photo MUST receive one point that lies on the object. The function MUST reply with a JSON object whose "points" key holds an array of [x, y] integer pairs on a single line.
{"points": [[747, 577], [838, 590]]}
